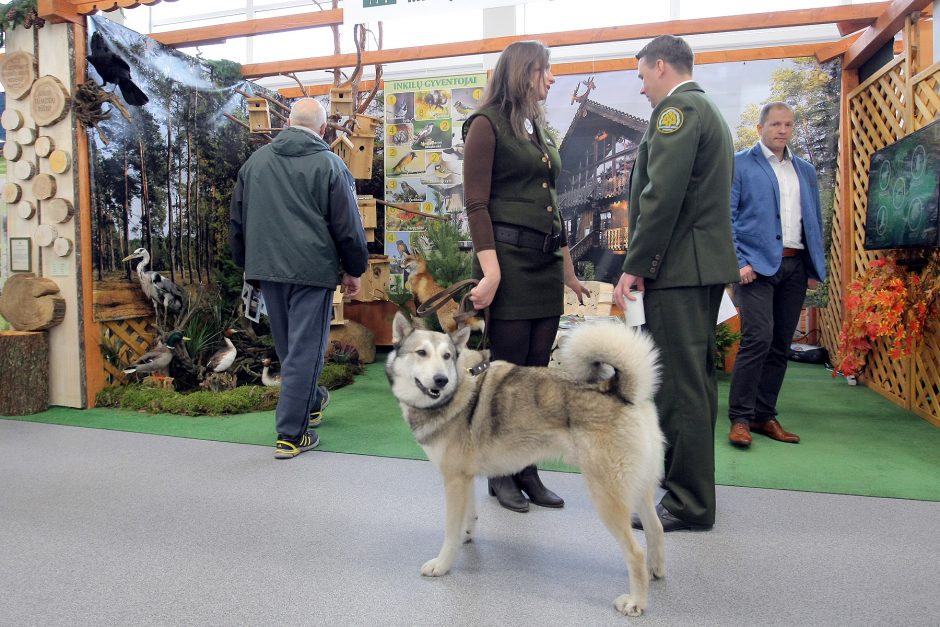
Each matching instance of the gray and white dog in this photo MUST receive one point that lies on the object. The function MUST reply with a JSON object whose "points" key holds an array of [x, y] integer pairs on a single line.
{"points": [[595, 411]]}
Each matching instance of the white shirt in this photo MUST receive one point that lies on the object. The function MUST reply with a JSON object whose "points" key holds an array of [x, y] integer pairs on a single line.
{"points": [[791, 213], [672, 91]]}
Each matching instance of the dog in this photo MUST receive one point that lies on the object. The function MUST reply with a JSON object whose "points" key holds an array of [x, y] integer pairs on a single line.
{"points": [[423, 286], [594, 411]]}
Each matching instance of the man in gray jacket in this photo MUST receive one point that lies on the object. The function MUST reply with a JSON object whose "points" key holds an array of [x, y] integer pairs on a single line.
{"points": [[295, 229]]}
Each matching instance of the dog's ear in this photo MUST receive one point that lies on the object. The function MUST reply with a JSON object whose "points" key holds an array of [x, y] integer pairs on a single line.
{"points": [[460, 337], [401, 328]]}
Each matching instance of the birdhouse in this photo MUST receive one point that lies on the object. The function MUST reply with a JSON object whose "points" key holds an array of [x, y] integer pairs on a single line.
{"points": [[375, 280], [360, 161], [366, 124], [367, 214], [338, 318], [343, 148], [259, 117], [341, 101]]}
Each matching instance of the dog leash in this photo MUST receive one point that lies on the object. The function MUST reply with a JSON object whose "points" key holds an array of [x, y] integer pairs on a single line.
{"points": [[465, 310]]}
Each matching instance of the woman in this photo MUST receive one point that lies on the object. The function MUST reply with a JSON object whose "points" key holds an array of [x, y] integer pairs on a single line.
{"points": [[522, 259]]}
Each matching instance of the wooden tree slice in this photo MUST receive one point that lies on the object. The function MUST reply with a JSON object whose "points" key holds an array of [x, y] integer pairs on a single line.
{"points": [[49, 101], [30, 303], [44, 145], [44, 186], [12, 150], [46, 234], [26, 210], [26, 135], [24, 372], [62, 247], [59, 161], [24, 170], [11, 119], [59, 210], [12, 193], [17, 73]]}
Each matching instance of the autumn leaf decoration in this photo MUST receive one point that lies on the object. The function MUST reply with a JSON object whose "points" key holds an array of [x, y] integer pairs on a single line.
{"points": [[891, 303]]}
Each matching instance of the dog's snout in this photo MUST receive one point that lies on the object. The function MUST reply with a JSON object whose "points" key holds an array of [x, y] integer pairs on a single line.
{"points": [[440, 380]]}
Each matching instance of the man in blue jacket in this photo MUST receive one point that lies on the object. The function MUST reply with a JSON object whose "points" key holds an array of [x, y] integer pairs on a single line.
{"points": [[779, 243], [295, 229]]}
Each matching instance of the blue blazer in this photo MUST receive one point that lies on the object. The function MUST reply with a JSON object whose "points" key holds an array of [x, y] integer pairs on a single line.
{"points": [[755, 214]]}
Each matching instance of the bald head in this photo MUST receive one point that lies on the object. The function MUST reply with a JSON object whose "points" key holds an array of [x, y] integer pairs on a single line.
{"points": [[308, 113]]}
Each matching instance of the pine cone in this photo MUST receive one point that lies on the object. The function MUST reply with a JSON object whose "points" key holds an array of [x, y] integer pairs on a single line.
{"points": [[28, 18], [39, 22], [11, 16]]}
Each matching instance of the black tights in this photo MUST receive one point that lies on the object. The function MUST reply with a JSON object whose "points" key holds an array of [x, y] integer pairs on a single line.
{"points": [[523, 342]]}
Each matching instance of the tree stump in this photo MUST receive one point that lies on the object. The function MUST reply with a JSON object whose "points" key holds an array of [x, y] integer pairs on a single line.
{"points": [[24, 373], [31, 303]]}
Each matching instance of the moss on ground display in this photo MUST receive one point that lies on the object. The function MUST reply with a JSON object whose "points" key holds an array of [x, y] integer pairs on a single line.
{"points": [[245, 398]]}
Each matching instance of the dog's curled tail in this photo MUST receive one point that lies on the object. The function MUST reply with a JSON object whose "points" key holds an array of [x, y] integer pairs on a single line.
{"points": [[622, 356]]}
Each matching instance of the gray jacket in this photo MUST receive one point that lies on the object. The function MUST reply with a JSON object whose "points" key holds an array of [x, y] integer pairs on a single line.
{"points": [[294, 217]]}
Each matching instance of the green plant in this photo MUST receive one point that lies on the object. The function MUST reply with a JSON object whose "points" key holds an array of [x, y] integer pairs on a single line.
{"points": [[446, 263], [724, 340], [588, 271]]}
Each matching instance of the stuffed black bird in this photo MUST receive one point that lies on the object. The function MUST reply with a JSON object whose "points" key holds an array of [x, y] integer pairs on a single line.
{"points": [[115, 70]]}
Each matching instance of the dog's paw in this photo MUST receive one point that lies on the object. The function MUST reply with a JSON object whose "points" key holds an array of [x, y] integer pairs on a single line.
{"points": [[434, 568], [657, 573], [627, 606]]}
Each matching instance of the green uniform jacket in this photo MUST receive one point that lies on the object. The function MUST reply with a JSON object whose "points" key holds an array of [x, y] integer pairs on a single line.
{"points": [[680, 190], [522, 193]]}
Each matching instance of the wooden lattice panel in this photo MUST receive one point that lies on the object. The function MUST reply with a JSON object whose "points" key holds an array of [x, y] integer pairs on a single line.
{"points": [[926, 96], [830, 318], [133, 337], [925, 398], [877, 111]]}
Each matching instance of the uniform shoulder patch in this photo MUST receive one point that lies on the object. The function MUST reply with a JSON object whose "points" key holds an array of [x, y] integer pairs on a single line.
{"points": [[669, 121]]}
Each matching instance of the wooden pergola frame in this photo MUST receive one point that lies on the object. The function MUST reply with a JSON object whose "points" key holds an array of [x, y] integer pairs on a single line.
{"points": [[880, 17]]}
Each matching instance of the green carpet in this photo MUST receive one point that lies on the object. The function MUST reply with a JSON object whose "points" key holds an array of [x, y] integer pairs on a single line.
{"points": [[853, 440]]}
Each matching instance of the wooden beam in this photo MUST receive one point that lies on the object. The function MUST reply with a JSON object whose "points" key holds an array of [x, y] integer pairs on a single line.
{"points": [[58, 11], [882, 31], [853, 26], [220, 32], [828, 52], [87, 7], [758, 21], [616, 65]]}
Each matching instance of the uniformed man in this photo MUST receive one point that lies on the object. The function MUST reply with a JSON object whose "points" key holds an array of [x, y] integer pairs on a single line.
{"points": [[681, 255]]}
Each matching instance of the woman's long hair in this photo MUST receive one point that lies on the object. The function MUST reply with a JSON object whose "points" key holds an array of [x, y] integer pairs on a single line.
{"points": [[510, 87]]}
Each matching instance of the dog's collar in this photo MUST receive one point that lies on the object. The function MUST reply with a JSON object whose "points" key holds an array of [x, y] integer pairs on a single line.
{"points": [[480, 368]]}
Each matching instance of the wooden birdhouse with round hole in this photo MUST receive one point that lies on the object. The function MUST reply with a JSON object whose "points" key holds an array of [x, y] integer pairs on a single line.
{"points": [[341, 101], [360, 162], [259, 116]]}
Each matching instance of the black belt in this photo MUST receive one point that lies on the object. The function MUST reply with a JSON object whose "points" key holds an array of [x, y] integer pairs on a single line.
{"points": [[527, 238]]}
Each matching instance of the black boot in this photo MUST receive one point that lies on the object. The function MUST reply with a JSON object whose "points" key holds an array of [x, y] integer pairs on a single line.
{"points": [[508, 495], [528, 480]]}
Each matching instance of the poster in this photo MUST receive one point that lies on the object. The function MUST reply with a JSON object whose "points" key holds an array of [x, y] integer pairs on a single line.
{"points": [[424, 157]]}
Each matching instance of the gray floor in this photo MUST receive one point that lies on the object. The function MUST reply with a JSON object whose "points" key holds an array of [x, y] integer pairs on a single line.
{"points": [[109, 528]]}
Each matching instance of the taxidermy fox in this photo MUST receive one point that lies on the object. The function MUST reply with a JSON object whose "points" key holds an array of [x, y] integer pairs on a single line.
{"points": [[423, 286]]}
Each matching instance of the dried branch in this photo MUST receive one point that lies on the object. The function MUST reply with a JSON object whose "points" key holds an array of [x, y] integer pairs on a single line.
{"points": [[417, 213]]}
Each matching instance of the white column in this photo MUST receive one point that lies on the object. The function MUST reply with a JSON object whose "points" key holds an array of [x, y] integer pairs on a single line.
{"points": [[500, 22]]}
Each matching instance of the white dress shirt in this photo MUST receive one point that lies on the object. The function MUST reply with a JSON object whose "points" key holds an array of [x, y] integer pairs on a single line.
{"points": [[791, 213]]}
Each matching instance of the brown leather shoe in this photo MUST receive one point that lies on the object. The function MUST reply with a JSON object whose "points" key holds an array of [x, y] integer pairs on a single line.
{"points": [[772, 429], [740, 434]]}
